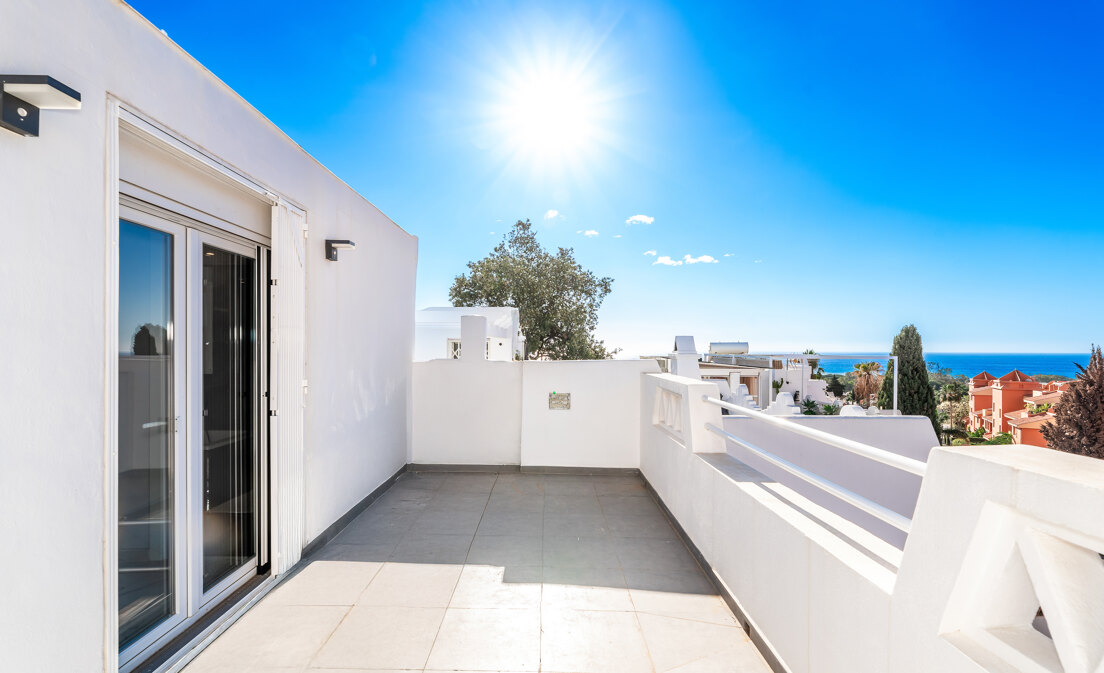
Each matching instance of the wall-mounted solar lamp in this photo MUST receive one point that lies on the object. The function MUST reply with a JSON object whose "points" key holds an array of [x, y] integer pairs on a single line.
{"points": [[22, 96], [332, 246]]}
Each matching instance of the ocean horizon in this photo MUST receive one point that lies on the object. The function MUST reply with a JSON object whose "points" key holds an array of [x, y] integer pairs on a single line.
{"points": [[997, 364]]}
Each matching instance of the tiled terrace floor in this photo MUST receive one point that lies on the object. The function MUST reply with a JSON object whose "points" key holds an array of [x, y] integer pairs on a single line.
{"points": [[495, 572]]}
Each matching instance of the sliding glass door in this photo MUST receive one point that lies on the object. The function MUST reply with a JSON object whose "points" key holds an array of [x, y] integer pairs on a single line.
{"points": [[189, 424], [151, 377], [225, 383]]}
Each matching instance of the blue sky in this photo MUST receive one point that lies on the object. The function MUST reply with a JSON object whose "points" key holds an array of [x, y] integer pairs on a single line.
{"points": [[849, 167]]}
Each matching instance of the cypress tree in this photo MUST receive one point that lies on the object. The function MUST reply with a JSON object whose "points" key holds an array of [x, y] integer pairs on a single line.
{"points": [[834, 386], [1078, 425], [915, 396]]}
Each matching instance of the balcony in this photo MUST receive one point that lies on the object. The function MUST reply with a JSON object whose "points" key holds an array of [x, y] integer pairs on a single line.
{"points": [[672, 538], [495, 572]]}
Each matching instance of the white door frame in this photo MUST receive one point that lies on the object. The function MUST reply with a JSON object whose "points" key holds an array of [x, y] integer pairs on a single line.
{"points": [[198, 598], [191, 153], [180, 440]]}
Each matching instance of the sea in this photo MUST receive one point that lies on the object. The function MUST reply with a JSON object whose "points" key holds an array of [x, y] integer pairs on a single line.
{"points": [[997, 364]]}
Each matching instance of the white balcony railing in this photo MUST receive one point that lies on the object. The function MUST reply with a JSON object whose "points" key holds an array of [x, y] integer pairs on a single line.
{"points": [[882, 456]]}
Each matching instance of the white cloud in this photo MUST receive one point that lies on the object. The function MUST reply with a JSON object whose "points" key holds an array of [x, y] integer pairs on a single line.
{"points": [[758, 261], [728, 254], [704, 259], [667, 261], [617, 235], [590, 233], [579, 231], [651, 253], [551, 214], [639, 219]]}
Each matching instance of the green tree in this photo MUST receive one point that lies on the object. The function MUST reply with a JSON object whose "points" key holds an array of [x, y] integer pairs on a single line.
{"points": [[914, 393], [834, 386], [867, 379], [953, 391], [557, 299], [1078, 425]]}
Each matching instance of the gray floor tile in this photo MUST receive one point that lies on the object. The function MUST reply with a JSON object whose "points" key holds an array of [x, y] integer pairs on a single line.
{"points": [[627, 504], [518, 484], [432, 548], [685, 581], [555, 484], [500, 502], [575, 525], [376, 552], [654, 554], [579, 552], [572, 504], [506, 550], [457, 501], [449, 522], [470, 483], [511, 523], [640, 525]]}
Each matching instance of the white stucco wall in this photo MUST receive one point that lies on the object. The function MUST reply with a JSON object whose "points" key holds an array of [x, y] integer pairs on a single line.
{"points": [[602, 428], [496, 413], [813, 585], [53, 268], [910, 436], [466, 412]]}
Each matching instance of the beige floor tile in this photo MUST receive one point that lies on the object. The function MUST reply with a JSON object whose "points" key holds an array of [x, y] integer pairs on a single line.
{"points": [[700, 607], [272, 636], [485, 587], [381, 637], [488, 640], [675, 643], [326, 583], [412, 585], [584, 640]]}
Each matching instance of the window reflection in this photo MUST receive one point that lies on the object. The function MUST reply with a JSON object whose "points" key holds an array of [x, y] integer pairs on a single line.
{"points": [[146, 430]]}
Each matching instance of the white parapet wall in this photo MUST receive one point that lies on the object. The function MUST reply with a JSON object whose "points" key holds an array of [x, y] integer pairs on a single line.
{"points": [[997, 533], [500, 413], [910, 436]]}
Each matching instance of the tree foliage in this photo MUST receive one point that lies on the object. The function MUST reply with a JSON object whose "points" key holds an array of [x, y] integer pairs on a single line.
{"points": [[915, 396], [868, 377], [557, 299], [1078, 425], [834, 386]]}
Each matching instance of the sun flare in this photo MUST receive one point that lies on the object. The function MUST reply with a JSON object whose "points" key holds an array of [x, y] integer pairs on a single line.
{"points": [[550, 116]]}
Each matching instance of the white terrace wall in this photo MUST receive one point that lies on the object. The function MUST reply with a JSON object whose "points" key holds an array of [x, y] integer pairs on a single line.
{"points": [[998, 532], [497, 413], [55, 311], [910, 436]]}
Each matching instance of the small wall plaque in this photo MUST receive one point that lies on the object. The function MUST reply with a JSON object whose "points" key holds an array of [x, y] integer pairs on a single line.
{"points": [[559, 401]]}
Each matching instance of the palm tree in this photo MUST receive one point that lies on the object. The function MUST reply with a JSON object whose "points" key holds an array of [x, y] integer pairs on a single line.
{"points": [[868, 379]]}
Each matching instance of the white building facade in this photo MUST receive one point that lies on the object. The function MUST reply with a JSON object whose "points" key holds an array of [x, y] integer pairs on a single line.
{"points": [[437, 332], [189, 399]]}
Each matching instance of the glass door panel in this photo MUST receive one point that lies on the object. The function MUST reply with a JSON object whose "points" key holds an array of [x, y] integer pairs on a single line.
{"points": [[147, 431], [229, 408]]}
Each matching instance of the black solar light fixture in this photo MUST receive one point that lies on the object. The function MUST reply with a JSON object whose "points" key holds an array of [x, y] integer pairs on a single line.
{"points": [[22, 96], [333, 245]]}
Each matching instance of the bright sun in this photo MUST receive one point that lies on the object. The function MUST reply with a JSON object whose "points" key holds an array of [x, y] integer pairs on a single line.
{"points": [[550, 116]]}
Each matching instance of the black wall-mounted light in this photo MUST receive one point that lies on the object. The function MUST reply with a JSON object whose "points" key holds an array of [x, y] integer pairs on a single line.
{"points": [[333, 245], [22, 96]]}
